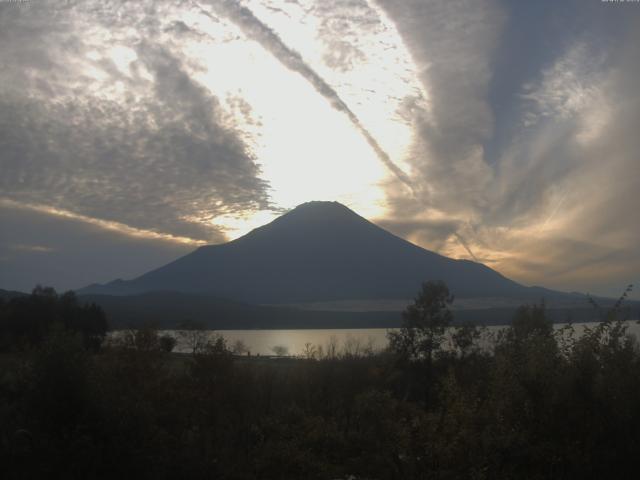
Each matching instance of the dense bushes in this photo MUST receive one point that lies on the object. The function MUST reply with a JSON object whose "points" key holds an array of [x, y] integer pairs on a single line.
{"points": [[539, 403]]}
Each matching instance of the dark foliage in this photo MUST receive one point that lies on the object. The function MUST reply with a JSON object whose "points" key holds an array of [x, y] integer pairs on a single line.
{"points": [[535, 402], [425, 323], [28, 320]]}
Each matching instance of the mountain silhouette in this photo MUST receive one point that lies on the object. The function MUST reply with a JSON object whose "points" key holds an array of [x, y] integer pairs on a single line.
{"points": [[319, 251]]}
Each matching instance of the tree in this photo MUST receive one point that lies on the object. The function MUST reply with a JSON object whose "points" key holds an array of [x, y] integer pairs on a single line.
{"points": [[193, 335], [530, 320], [29, 319], [280, 350], [239, 347], [424, 324], [167, 343], [465, 338]]}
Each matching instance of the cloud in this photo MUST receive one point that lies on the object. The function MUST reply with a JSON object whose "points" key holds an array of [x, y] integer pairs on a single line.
{"points": [[69, 253], [451, 44], [566, 88], [21, 247], [427, 231], [343, 28], [553, 206], [102, 224], [100, 115]]}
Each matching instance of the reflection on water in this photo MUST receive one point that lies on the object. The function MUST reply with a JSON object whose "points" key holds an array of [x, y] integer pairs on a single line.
{"points": [[297, 342]]}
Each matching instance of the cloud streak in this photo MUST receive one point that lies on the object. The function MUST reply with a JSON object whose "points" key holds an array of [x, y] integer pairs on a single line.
{"points": [[103, 224], [256, 30]]}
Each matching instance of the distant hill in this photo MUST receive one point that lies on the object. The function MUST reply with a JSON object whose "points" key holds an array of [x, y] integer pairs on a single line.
{"points": [[9, 294], [169, 309], [319, 251]]}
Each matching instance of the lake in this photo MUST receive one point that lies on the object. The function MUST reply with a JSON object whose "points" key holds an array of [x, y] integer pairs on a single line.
{"points": [[295, 342]]}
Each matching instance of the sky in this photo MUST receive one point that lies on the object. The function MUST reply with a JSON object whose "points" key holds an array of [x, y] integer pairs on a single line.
{"points": [[504, 132]]}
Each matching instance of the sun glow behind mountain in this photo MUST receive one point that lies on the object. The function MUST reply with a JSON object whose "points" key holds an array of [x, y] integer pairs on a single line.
{"points": [[306, 148]]}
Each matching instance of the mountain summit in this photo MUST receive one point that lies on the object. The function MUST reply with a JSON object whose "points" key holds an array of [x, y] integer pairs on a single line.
{"points": [[318, 251]]}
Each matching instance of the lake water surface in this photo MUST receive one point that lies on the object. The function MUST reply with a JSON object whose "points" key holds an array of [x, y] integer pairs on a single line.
{"points": [[295, 342]]}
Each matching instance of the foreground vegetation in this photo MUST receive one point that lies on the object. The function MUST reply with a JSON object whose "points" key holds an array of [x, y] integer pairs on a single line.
{"points": [[538, 404]]}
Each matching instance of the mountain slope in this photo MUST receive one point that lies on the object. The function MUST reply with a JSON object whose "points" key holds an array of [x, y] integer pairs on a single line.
{"points": [[318, 251]]}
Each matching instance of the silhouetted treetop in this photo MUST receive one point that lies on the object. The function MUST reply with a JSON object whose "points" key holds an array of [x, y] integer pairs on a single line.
{"points": [[28, 320]]}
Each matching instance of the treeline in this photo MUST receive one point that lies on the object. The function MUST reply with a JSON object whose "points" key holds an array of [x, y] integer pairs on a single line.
{"points": [[27, 320], [538, 403]]}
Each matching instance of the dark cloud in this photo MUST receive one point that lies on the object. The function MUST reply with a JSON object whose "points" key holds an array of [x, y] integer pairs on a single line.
{"points": [[426, 232], [525, 140], [451, 44], [139, 143]]}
